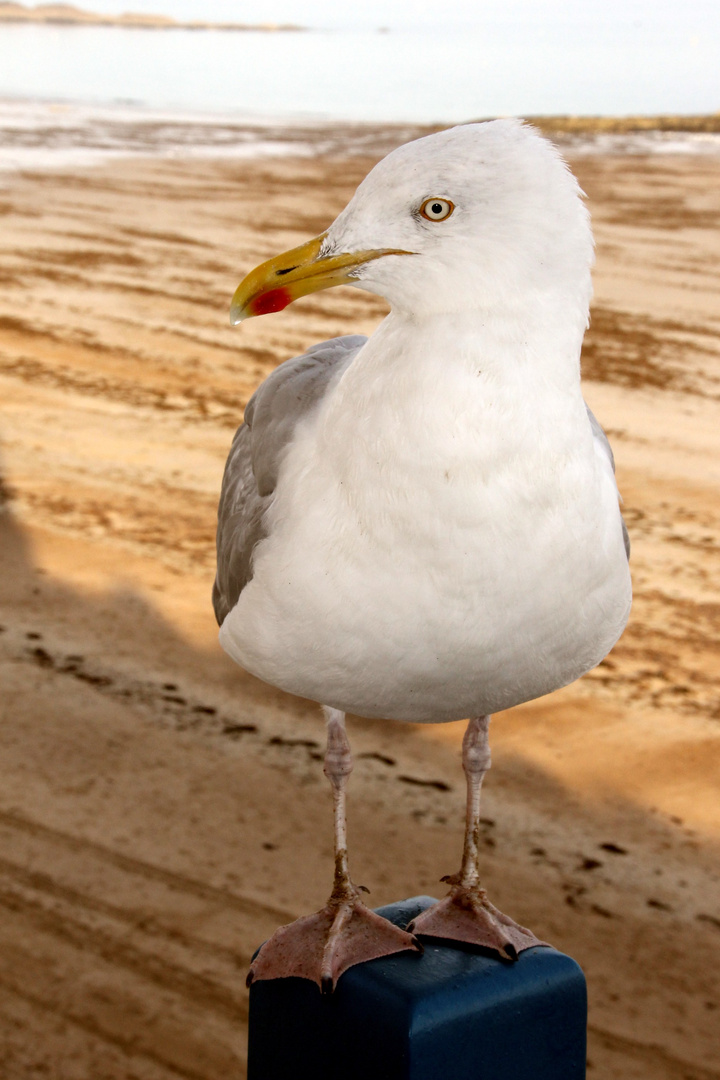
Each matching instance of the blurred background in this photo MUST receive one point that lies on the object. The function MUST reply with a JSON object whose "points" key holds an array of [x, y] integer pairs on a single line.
{"points": [[160, 810]]}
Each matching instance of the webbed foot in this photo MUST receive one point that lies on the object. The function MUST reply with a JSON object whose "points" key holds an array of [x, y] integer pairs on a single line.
{"points": [[322, 946], [467, 915]]}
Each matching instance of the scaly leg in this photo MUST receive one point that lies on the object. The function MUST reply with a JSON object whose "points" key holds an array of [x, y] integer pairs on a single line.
{"points": [[322, 946], [466, 914]]}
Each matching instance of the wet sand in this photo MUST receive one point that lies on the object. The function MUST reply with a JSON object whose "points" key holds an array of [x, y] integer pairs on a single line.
{"points": [[160, 810]]}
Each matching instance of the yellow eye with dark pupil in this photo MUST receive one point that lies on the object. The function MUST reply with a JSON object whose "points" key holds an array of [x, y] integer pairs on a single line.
{"points": [[436, 209]]}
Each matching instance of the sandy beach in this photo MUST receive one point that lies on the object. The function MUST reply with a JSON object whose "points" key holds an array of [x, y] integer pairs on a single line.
{"points": [[69, 15], [160, 810]]}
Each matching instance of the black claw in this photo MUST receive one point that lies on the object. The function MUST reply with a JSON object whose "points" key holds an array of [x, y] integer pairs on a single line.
{"points": [[326, 984], [410, 926], [250, 977], [446, 877], [511, 952], [362, 888], [418, 944]]}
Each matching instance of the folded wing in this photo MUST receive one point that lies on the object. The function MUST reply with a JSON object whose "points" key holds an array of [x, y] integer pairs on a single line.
{"points": [[602, 444], [288, 395]]}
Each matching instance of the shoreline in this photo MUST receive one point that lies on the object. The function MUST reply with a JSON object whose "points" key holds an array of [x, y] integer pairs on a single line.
{"points": [[700, 123], [41, 135]]}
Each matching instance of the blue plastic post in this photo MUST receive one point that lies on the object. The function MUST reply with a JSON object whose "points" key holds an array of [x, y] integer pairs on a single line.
{"points": [[450, 1014]]}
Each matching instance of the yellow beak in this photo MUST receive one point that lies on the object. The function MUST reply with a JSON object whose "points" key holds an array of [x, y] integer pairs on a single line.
{"points": [[276, 283]]}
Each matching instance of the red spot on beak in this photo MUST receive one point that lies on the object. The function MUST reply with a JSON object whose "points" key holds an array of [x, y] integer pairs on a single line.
{"points": [[273, 300]]}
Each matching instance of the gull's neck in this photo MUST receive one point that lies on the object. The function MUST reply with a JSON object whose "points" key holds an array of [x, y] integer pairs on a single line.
{"points": [[437, 412], [423, 393], [507, 350]]}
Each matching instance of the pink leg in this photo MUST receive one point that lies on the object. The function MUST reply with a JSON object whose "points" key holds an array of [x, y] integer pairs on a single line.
{"points": [[466, 914], [345, 932]]}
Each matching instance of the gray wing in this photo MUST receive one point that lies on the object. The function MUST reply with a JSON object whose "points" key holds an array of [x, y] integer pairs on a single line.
{"points": [[287, 396], [603, 442]]}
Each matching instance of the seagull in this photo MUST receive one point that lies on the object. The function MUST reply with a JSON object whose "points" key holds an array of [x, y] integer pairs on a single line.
{"points": [[424, 525]]}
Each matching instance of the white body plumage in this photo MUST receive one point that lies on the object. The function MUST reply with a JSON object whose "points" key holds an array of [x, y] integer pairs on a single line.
{"points": [[444, 538]]}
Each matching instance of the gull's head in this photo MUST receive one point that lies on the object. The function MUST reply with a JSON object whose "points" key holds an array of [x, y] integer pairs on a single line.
{"points": [[466, 220]]}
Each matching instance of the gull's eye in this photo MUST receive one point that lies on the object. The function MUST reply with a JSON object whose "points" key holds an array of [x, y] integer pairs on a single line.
{"points": [[437, 209]]}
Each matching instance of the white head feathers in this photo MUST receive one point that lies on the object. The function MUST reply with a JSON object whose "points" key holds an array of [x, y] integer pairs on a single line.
{"points": [[518, 231]]}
